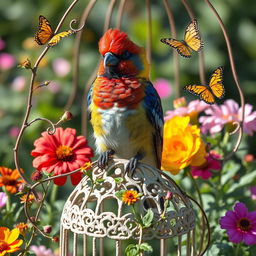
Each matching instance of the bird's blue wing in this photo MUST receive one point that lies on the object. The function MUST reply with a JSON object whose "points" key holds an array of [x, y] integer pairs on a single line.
{"points": [[89, 100], [154, 111]]}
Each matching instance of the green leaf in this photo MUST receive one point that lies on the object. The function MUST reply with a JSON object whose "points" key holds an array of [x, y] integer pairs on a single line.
{"points": [[132, 250], [148, 218], [119, 194], [99, 181], [118, 180], [145, 247]]}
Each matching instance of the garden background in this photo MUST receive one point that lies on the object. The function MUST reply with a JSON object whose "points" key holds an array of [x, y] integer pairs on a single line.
{"points": [[19, 22]]}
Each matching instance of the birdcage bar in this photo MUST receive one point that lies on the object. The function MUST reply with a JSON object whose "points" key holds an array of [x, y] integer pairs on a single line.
{"points": [[194, 241], [85, 244], [75, 244], [118, 247], [179, 245], [188, 244], [162, 247]]}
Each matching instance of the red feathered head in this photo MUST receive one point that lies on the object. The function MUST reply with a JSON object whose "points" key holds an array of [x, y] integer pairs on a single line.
{"points": [[116, 42]]}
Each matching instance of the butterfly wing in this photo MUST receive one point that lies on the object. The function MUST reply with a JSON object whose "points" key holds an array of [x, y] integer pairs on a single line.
{"points": [[55, 39], [216, 83], [202, 91], [44, 32], [192, 36], [180, 46]]}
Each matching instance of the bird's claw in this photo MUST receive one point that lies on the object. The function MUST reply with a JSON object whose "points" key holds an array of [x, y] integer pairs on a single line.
{"points": [[132, 164], [104, 157]]}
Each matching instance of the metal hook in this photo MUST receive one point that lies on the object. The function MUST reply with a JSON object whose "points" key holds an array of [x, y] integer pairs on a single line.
{"points": [[73, 29]]}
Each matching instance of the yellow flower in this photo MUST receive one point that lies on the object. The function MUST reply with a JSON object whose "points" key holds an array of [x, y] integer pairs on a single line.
{"points": [[30, 199], [22, 227], [182, 145], [130, 197], [8, 240]]}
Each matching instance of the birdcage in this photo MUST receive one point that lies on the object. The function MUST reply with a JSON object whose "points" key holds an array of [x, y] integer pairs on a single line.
{"points": [[94, 216]]}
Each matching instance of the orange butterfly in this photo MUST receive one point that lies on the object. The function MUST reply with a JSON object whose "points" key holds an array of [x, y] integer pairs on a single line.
{"points": [[45, 33], [192, 41], [207, 93]]}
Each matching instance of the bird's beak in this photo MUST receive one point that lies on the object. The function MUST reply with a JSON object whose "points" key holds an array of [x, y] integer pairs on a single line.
{"points": [[110, 59]]}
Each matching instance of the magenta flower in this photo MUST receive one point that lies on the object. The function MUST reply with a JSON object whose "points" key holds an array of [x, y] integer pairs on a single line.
{"points": [[7, 61], [229, 112], [192, 109], [163, 87], [240, 224], [61, 67], [253, 192], [204, 171], [41, 250], [3, 199]]}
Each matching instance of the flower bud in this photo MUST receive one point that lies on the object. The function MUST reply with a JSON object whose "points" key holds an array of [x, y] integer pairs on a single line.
{"points": [[25, 64], [47, 229], [168, 195], [36, 175], [66, 116], [55, 239], [180, 102]]}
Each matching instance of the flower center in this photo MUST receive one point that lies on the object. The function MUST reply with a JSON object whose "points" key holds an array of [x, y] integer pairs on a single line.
{"points": [[7, 181], [244, 224], [64, 153], [3, 246]]}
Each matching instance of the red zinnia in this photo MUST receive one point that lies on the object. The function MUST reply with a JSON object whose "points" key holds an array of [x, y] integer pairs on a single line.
{"points": [[61, 153]]}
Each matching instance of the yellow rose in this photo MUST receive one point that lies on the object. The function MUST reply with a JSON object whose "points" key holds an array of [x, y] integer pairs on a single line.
{"points": [[182, 145]]}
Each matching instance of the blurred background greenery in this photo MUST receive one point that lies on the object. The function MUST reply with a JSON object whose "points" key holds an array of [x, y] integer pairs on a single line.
{"points": [[19, 22]]}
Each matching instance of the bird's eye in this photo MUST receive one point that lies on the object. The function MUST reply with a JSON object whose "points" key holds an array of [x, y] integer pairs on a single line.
{"points": [[126, 55]]}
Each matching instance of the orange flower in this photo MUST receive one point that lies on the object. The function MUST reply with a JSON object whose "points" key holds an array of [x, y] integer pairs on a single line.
{"points": [[10, 179], [22, 227], [8, 240], [31, 198], [130, 197]]}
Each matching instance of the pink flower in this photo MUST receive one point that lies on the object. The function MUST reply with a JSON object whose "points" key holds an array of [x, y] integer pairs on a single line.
{"points": [[61, 153], [3, 199], [163, 87], [41, 250], [61, 67], [192, 109], [14, 131], [229, 112], [240, 224], [2, 44], [7, 61], [204, 171], [18, 84], [54, 87], [253, 192]]}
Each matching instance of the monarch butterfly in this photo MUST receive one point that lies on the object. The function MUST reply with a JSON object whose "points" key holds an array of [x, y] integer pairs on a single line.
{"points": [[207, 93], [45, 33], [192, 41]]}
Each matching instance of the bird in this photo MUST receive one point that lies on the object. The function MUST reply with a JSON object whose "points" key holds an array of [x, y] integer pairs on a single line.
{"points": [[125, 109]]}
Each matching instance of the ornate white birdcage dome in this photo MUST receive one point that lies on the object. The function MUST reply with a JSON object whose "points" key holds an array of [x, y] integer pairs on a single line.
{"points": [[93, 210]]}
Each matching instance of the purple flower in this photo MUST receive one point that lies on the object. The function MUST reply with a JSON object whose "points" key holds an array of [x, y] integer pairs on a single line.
{"points": [[3, 199], [227, 114], [163, 87], [14, 131], [192, 109], [204, 171], [61, 67], [240, 224], [41, 250], [19, 83], [253, 192], [7, 61]]}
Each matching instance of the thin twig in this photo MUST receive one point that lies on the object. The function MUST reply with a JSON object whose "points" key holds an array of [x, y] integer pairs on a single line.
{"points": [[235, 76], [29, 101], [176, 60], [149, 30], [74, 88], [120, 14], [201, 53]]}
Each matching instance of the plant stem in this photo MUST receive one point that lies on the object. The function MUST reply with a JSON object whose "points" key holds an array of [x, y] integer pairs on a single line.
{"points": [[54, 194]]}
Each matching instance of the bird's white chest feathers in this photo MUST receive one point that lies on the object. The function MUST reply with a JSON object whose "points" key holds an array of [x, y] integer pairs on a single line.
{"points": [[116, 133]]}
